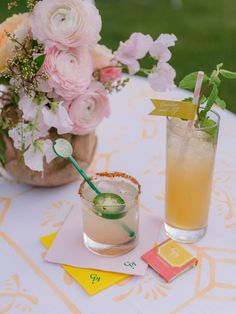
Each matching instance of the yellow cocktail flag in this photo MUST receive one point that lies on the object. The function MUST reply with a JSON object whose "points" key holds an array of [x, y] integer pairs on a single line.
{"points": [[173, 108]]}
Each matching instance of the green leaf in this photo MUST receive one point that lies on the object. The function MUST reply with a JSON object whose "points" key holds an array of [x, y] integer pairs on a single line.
{"points": [[2, 159], [212, 98], [218, 67], [217, 81], [202, 115], [40, 60], [34, 43], [215, 76], [202, 99], [4, 80], [228, 74], [2, 149], [221, 103], [211, 128], [188, 99], [189, 81]]}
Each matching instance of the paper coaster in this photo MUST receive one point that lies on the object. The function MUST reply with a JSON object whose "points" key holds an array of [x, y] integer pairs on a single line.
{"points": [[92, 281], [69, 249]]}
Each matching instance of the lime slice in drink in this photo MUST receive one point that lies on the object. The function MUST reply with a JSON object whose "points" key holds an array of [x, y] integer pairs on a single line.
{"points": [[109, 206]]}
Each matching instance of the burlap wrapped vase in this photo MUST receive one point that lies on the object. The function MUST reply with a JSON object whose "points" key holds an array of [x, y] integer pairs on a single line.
{"points": [[59, 171]]}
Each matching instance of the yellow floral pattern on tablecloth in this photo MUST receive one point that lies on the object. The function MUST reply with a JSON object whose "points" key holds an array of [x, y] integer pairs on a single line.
{"points": [[5, 203], [14, 296], [150, 288], [215, 289], [55, 214], [133, 142]]}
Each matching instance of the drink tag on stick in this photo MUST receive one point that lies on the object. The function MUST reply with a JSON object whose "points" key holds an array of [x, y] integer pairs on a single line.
{"points": [[173, 108]]}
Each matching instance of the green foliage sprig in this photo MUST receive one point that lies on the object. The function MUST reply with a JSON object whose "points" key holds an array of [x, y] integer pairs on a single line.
{"points": [[209, 95]]}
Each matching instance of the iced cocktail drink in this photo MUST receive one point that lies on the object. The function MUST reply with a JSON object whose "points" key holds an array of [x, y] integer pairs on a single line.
{"points": [[109, 229], [189, 171]]}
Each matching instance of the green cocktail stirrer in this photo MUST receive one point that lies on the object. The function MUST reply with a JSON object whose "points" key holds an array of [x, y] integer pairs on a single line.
{"points": [[103, 202]]}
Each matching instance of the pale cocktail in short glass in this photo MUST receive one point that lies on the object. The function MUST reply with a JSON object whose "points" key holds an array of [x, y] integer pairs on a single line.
{"points": [[189, 171], [110, 229]]}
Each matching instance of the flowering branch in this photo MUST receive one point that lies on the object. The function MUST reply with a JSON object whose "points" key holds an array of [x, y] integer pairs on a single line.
{"points": [[23, 68], [29, 3], [56, 82]]}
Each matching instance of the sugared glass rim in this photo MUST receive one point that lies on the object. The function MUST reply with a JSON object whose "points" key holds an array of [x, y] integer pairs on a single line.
{"points": [[114, 174], [201, 128]]}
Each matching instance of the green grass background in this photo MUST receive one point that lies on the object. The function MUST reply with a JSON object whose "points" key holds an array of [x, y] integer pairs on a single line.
{"points": [[206, 31]]}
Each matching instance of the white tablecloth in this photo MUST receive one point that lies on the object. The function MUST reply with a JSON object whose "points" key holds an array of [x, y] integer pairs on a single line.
{"points": [[133, 142]]}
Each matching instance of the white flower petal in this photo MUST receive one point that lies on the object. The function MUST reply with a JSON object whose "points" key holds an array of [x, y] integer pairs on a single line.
{"points": [[167, 40], [133, 67], [28, 108], [160, 52], [21, 135], [34, 158], [162, 78], [48, 151], [59, 120]]}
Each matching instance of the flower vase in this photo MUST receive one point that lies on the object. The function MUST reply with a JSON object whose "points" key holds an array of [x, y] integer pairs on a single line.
{"points": [[59, 171]]}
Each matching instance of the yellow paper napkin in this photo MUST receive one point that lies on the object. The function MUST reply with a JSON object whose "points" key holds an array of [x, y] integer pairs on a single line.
{"points": [[92, 280]]}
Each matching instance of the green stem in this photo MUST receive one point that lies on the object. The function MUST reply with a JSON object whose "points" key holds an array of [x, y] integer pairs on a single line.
{"points": [[83, 174], [202, 94], [130, 232], [145, 71]]}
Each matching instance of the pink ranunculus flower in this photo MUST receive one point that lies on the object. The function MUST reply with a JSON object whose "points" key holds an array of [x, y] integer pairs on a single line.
{"points": [[69, 72], [162, 78], [102, 57], [135, 48], [66, 23], [159, 49], [110, 74], [89, 109]]}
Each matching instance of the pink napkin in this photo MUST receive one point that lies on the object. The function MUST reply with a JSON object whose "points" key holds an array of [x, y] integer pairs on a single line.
{"points": [[68, 247]]}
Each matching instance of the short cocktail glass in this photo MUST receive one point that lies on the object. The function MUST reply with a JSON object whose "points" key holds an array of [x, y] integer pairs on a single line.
{"points": [[189, 171], [109, 230]]}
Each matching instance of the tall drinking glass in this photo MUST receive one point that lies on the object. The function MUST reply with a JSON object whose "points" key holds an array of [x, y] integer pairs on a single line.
{"points": [[110, 230], [189, 171]]}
